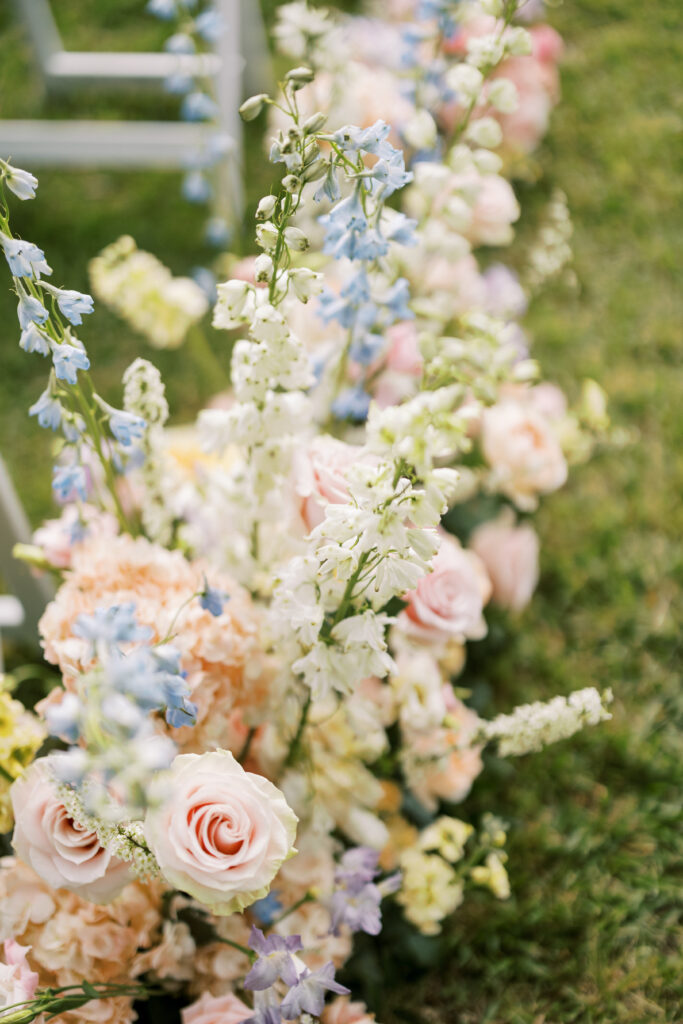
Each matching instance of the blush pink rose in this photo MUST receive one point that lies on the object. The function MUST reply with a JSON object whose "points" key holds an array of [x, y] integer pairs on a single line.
{"points": [[320, 476], [510, 554], [227, 1009], [18, 983], [446, 762], [448, 603], [525, 456], [66, 855], [221, 834]]}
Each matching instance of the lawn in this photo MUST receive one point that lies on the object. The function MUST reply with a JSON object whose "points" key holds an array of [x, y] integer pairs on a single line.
{"points": [[593, 930]]}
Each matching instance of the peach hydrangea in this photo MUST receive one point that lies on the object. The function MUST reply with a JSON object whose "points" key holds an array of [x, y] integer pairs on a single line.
{"points": [[221, 655]]}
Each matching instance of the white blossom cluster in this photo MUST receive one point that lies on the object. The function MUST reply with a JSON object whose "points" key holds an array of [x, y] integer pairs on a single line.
{"points": [[552, 250], [144, 293], [124, 840], [531, 727], [144, 395]]}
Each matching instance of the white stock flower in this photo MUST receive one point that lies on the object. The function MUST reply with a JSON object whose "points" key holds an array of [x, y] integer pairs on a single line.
{"points": [[531, 727]]}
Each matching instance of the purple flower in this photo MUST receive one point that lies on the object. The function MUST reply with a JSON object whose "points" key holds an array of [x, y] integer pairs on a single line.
{"points": [[308, 994], [274, 960], [266, 1015], [358, 907], [358, 864]]}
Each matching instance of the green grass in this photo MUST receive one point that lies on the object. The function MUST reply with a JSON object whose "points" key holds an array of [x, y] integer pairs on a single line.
{"points": [[592, 933]]}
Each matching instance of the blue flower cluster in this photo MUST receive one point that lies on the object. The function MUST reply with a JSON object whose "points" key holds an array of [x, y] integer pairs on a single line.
{"points": [[356, 230], [126, 687], [275, 963], [46, 316]]}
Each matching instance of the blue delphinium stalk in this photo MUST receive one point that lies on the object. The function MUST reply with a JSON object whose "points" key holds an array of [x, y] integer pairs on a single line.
{"points": [[357, 229], [47, 315], [116, 746], [194, 31]]}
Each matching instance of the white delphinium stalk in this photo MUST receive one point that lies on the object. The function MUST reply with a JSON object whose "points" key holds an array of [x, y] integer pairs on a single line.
{"points": [[552, 250], [144, 395], [531, 727]]}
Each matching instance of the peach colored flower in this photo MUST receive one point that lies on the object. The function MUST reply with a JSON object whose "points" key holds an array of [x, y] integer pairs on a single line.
{"points": [[342, 1011], [525, 456], [222, 833], [510, 554], [222, 655], [449, 601], [208, 1009], [442, 764], [65, 854], [72, 939], [404, 354], [57, 537]]}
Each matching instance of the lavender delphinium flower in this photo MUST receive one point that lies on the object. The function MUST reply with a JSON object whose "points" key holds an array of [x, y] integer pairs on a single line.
{"points": [[212, 600], [308, 994], [274, 960], [68, 360]]}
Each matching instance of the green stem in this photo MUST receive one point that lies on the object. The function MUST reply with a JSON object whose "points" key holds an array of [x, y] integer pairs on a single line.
{"points": [[308, 898], [295, 745]]}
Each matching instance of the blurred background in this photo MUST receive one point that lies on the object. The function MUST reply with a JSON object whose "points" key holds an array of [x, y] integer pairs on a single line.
{"points": [[593, 930]]}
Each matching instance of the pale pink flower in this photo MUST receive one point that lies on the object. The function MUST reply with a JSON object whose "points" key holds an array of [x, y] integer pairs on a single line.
{"points": [[18, 983], [222, 833], [510, 554], [65, 854], [404, 354], [342, 1011], [208, 1009], [57, 537], [524, 454], [320, 476], [494, 212], [448, 602]]}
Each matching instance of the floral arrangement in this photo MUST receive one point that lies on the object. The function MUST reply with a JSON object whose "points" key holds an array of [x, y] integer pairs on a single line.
{"points": [[259, 740]]}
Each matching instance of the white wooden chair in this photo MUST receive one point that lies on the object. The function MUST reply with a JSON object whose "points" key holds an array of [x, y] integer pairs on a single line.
{"points": [[240, 63]]}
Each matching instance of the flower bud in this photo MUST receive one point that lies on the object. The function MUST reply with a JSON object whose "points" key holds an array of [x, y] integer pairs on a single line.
{"points": [[502, 95], [291, 182], [267, 235], [263, 267], [420, 130], [314, 123], [305, 283], [485, 131], [252, 107], [297, 78], [314, 171], [518, 41], [266, 208], [487, 162], [296, 239], [465, 81]]}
